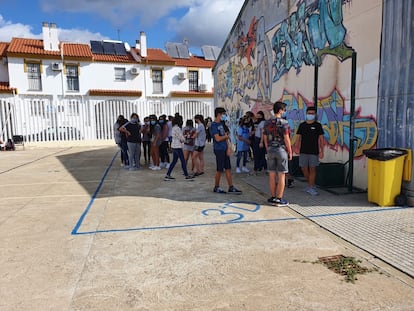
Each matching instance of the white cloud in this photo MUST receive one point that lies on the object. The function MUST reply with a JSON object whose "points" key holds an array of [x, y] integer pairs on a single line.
{"points": [[208, 23], [8, 30]]}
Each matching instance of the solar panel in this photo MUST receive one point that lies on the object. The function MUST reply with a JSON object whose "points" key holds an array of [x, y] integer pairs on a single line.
{"points": [[183, 51], [210, 52], [96, 47], [172, 50], [108, 48], [120, 49]]}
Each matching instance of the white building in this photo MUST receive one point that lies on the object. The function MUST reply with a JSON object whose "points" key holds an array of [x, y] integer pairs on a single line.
{"points": [[51, 90]]}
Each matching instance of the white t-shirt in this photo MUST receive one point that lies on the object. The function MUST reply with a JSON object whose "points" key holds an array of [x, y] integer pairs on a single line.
{"points": [[201, 135]]}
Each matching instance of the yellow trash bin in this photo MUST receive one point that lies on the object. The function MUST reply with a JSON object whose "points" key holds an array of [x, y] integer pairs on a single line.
{"points": [[385, 174]]}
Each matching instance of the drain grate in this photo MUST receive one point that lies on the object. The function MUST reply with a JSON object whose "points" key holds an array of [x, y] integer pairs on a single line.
{"points": [[346, 266]]}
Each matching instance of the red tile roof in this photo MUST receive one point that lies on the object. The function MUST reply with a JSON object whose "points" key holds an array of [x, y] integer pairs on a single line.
{"points": [[3, 48], [194, 61], [25, 46], [157, 56], [126, 93], [192, 94], [114, 58], [5, 88]]}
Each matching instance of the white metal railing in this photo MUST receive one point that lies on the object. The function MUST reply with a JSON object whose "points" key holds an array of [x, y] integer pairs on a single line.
{"points": [[82, 118]]}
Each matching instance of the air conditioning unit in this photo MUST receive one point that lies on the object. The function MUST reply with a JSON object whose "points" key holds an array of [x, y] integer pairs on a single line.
{"points": [[57, 66], [134, 71], [181, 76], [203, 87]]}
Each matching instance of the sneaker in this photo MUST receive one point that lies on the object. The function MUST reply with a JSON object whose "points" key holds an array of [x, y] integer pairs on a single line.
{"points": [[167, 165], [281, 202], [189, 177], [245, 170], [218, 190], [162, 165], [271, 200], [290, 183], [312, 191], [156, 168], [238, 171], [234, 190], [169, 178]]}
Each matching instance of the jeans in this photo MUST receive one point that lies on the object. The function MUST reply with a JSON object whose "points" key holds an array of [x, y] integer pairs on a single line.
{"points": [[259, 155], [241, 154], [178, 153], [134, 150]]}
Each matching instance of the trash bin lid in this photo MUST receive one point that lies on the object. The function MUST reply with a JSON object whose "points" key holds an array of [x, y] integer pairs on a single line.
{"points": [[384, 154]]}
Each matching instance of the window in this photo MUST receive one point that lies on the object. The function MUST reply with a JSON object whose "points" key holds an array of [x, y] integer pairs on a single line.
{"points": [[72, 77], [120, 74], [34, 76], [193, 80], [157, 81]]}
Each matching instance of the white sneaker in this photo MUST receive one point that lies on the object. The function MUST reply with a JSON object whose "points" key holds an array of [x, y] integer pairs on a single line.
{"points": [[238, 171], [162, 165], [156, 168], [245, 169], [167, 165]]}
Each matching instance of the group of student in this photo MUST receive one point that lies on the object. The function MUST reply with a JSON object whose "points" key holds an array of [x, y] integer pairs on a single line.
{"points": [[160, 136], [268, 139]]}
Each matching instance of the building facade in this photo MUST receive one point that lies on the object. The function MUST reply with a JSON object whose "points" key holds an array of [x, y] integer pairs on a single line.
{"points": [[63, 91], [352, 59]]}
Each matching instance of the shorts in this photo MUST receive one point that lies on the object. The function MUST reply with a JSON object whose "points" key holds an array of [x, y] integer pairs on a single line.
{"points": [[199, 148], [222, 160], [188, 148], [308, 160], [277, 161]]}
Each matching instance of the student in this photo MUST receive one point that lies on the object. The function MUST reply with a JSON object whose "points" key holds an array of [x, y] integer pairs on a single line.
{"points": [[177, 147], [220, 140], [120, 140], [189, 133], [243, 144], [276, 136], [164, 155], [132, 130], [146, 140], [310, 139], [200, 142], [155, 130], [9, 146]]}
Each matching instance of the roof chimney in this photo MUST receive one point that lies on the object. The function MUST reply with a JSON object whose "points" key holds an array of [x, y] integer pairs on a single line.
{"points": [[137, 44], [143, 44], [50, 37]]}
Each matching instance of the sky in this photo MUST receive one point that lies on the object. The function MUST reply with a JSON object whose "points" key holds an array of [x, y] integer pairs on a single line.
{"points": [[201, 22]]}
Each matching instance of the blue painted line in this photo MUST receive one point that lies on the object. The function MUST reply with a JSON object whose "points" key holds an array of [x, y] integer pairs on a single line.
{"points": [[95, 194]]}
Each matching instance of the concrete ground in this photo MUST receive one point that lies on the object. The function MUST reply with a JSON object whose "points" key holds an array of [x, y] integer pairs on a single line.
{"points": [[78, 232]]}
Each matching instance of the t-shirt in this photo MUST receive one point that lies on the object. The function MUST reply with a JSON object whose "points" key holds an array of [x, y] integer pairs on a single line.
{"points": [[135, 130], [244, 132], [218, 128], [188, 133], [310, 134], [201, 135], [259, 128], [275, 129]]}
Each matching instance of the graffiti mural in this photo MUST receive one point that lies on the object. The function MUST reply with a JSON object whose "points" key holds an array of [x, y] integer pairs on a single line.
{"points": [[335, 122]]}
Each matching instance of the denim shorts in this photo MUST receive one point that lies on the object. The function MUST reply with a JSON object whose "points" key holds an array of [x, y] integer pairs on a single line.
{"points": [[277, 160], [308, 160]]}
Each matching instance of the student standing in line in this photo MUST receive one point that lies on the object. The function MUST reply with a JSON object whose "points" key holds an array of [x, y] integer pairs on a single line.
{"points": [[164, 155], [156, 141], [259, 150], [310, 139], [276, 135], [221, 140], [146, 140], [189, 133], [243, 144], [132, 130], [120, 140], [200, 142], [177, 147]]}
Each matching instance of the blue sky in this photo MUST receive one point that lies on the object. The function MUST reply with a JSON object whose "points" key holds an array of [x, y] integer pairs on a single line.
{"points": [[201, 22]]}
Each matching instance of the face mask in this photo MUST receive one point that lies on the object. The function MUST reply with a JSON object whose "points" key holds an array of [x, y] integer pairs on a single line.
{"points": [[153, 122], [310, 117], [134, 120], [146, 122], [224, 118], [284, 114], [161, 121]]}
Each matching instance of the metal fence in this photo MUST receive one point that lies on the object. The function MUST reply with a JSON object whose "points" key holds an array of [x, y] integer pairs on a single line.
{"points": [[39, 118]]}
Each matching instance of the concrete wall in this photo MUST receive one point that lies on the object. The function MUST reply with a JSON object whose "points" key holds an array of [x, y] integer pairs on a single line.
{"points": [[271, 54]]}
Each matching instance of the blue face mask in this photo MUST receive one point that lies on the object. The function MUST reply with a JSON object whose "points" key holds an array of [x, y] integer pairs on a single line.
{"points": [[284, 114], [153, 122], [161, 121], [224, 118], [310, 117]]}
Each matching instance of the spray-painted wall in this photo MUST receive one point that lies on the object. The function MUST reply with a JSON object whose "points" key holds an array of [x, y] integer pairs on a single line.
{"points": [[271, 54]]}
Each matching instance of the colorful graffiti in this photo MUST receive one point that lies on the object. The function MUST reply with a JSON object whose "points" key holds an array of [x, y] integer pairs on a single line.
{"points": [[335, 121], [307, 35]]}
